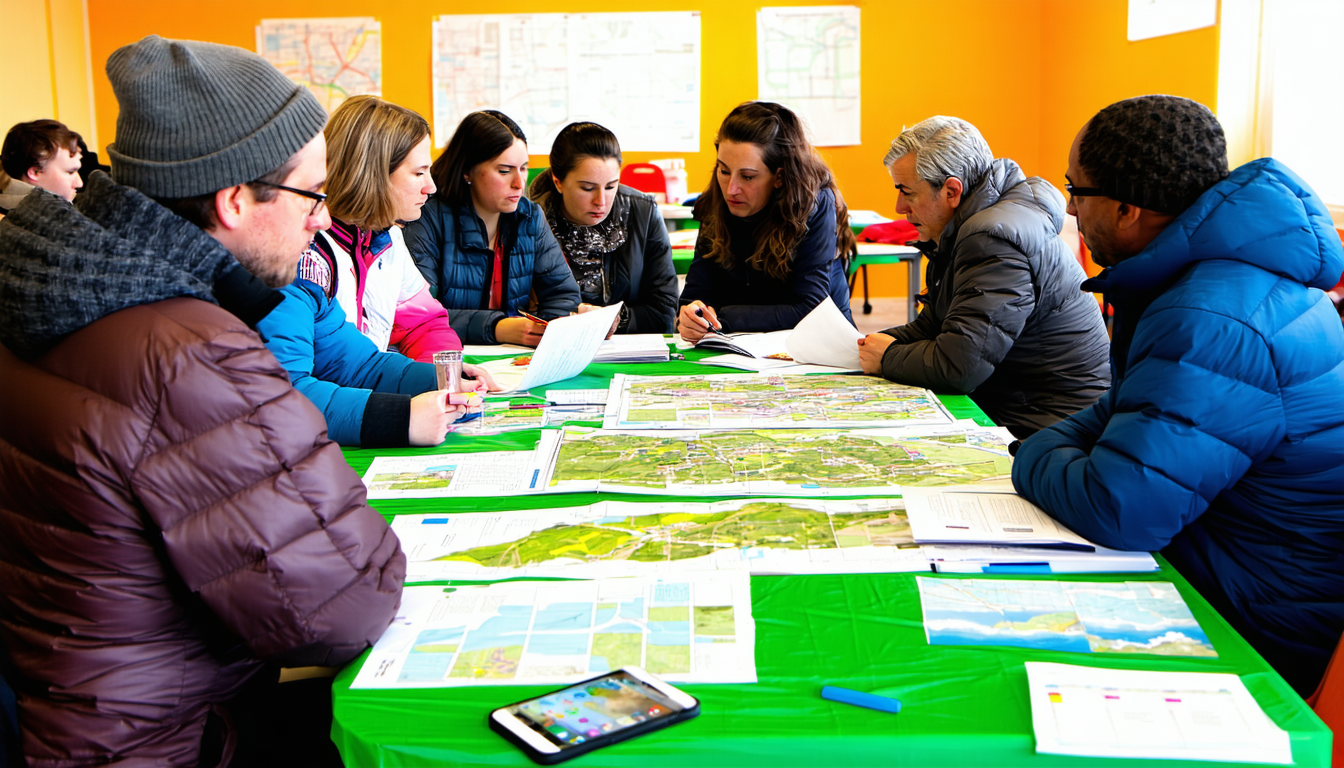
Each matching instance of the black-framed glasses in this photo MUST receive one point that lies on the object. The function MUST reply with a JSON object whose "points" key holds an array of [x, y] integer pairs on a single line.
{"points": [[318, 198], [1084, 191]]}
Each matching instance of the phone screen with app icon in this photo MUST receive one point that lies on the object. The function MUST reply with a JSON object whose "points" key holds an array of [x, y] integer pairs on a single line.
{"points": [[593, 709]]}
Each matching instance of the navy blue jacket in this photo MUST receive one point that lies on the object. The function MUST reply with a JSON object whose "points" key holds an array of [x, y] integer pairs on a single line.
{"points": [[746, 299], [1221, 441], [450, 248], [364, 393]]}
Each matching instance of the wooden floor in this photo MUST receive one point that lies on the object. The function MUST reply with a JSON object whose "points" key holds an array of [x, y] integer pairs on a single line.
{"points": [[888, 311]]}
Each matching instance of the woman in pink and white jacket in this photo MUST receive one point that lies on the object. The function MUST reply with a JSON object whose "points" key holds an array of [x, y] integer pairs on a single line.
{"points": [[378, 158]]}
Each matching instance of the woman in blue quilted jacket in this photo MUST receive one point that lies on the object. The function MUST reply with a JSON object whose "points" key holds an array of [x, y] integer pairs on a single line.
{"points": [[485, 249]]}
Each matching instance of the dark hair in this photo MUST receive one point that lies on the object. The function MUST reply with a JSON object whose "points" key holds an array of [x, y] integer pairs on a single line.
{"points": [[478, 138], [1155, 152], [200, 209], [31, 145], [575, 143], [802, 175]]}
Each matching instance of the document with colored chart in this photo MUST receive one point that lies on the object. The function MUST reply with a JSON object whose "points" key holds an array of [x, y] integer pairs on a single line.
{"points": [[487, 473], [1141, 715], [691, 628]]}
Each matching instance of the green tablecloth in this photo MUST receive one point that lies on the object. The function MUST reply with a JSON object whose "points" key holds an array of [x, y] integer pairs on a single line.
{"points": [[962, 706]]}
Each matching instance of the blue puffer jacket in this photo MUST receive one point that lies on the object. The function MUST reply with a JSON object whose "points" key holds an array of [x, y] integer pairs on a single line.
{"points": [[365, 394], [1221, 441], [450, 248]]}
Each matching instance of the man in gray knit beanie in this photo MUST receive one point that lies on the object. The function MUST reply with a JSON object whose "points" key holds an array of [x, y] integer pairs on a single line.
{"points": [[177, 524]]}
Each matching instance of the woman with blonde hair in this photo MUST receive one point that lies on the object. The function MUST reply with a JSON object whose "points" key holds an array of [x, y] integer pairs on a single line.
{"points": [[612, 235], [378, 178], [773, 232]]}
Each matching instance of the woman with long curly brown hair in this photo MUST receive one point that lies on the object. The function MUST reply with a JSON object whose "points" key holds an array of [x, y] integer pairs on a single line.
{"points": [[773, 229]]}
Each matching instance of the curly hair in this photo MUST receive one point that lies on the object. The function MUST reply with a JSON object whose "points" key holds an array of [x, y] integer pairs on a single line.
{"points": [[778, 133], [1155, 152]]}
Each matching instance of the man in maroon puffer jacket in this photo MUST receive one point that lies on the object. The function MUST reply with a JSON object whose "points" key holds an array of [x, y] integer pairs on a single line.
{"points": [[174, 522]]}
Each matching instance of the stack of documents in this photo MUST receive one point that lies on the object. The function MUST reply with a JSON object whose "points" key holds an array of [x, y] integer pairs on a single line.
{"points": [[633, 348]]}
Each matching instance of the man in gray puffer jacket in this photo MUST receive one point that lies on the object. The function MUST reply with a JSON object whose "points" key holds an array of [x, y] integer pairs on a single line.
{"points": [[174, 522], [1004, 319]]}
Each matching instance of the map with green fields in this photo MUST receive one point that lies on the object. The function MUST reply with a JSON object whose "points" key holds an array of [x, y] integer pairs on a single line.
{"points": [[690, 628], [805, 462], [626, 538], [767, 401]]}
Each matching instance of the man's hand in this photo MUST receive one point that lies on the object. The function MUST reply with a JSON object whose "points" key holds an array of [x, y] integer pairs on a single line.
{"points": [[697, 319], [483, 382], [871, 349], [430, 416], [519, 330]]}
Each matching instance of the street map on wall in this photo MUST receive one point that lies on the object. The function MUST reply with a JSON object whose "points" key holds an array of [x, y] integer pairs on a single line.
{"points": [[695, 628], [1147, 617], [802, 462], [635, 73], [609, 539], [808, 60], [333, 58], [767, 401]]}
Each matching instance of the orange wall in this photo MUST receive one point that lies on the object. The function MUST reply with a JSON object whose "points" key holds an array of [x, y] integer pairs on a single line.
{"points": [[1028, 73]]}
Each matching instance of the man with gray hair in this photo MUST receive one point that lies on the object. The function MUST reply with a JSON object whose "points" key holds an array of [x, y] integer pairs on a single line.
{"points": [[1004, 320], [1221, 442], [174, 523]]}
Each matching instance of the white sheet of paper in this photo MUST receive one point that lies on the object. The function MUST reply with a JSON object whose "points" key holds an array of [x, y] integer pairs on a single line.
{"points": [[949, 516], [825, 337], [577, 396], [507, 375], [633, 348], [987, 558], [688, 628], [744, 363], [568, 346], [487, 473], [494, 350], [1144, 715]]}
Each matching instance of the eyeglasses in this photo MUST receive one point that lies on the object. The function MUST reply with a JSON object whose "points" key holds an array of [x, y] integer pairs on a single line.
{"points": [[1084, 191], [318, 198]]}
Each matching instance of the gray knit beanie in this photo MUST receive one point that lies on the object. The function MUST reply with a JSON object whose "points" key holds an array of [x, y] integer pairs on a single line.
{"points": [[1156, 152], [200, 117]]}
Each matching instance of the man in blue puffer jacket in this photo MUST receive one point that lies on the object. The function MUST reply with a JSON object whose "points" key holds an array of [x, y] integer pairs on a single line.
{"points": [[1221, 441]]}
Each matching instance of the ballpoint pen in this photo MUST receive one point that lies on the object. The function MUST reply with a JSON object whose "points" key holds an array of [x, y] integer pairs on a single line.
{"points": [[533, 318]]}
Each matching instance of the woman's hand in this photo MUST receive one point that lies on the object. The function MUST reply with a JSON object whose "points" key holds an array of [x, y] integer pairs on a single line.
{"points": [[519, 330], [697, 319]]}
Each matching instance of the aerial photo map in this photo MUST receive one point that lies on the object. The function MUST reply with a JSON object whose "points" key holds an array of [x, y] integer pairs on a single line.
{"points": [[692, 628], [774, 536], [804, 462], [1147, 617], [767, 401]]}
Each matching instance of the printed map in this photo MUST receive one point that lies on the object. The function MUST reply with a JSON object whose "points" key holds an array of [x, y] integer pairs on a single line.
{"points": [[807, 462], [333, 58], [808, 60], [623, 539], [765, 401], [1147, 617], [696, 628]]}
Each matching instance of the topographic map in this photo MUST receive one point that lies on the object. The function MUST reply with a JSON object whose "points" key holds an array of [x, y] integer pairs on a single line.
{"points": [[611, 539], [333, 58], [694, 628], [802, 462], [766, 401], [635, 73], [808, 60], [1147, 617]]}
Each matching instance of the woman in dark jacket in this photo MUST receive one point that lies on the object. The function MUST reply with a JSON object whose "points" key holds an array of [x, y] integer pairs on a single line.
{"points": [[773, 230], [612, 236], [485, 250]]}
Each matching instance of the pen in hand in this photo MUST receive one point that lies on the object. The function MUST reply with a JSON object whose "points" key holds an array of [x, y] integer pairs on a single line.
{"points": [[531, 318], [700, 313]]}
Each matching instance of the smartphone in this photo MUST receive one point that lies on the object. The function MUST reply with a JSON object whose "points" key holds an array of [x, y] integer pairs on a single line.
{"points": [[597, 712]]}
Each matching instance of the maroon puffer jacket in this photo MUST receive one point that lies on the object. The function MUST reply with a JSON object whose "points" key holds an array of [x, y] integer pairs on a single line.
{"points": [[171, 511]]}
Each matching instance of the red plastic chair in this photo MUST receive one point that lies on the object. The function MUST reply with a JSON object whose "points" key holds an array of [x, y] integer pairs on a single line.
{"points": [[1328, 701], [646, 177]]}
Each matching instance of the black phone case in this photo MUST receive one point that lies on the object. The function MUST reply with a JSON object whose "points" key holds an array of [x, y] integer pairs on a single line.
{"points": [[569, 753]]}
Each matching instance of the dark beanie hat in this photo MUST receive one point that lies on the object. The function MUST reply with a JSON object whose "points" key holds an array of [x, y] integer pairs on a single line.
{"points": [[1156, 152], [200, 117]]}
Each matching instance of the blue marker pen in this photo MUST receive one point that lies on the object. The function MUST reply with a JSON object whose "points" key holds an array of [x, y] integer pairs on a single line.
{"points": [[860, 699]]}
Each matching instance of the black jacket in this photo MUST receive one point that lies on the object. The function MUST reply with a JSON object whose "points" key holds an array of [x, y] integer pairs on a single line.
{"points": [[1005, 320]]}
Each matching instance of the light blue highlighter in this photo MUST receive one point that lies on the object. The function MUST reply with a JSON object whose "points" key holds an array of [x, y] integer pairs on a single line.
{"points": [[861, 699]]}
